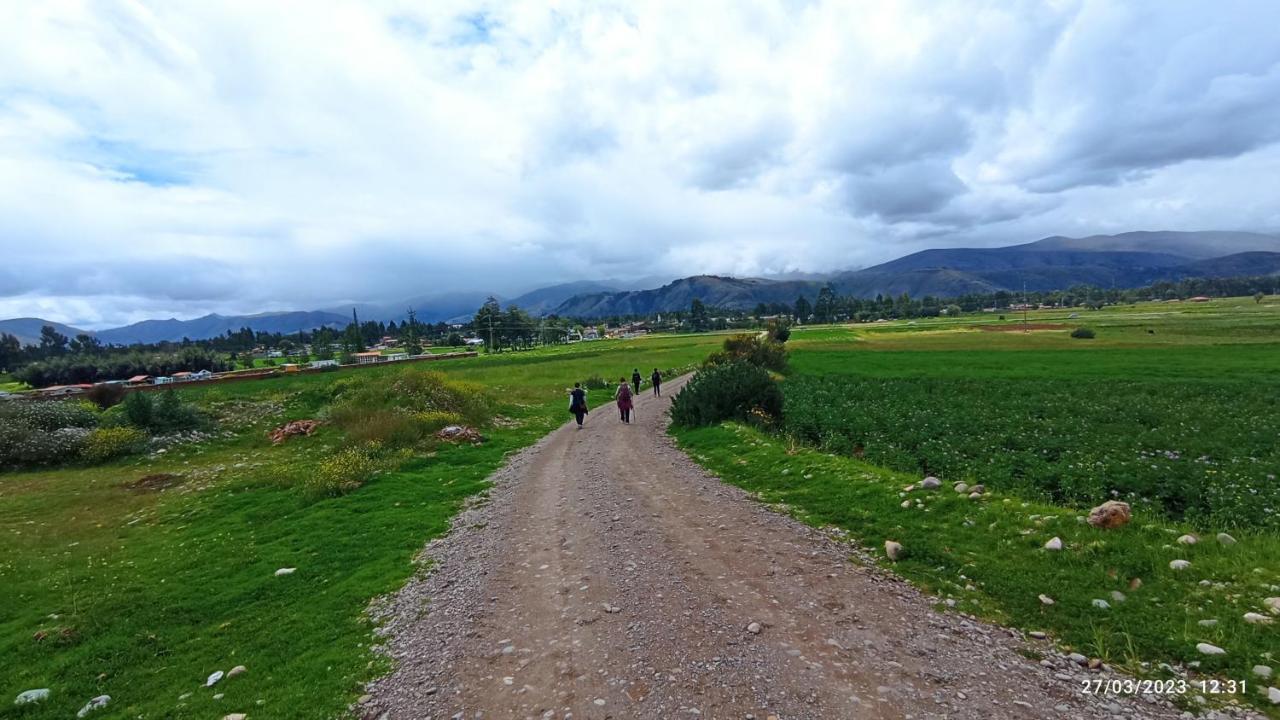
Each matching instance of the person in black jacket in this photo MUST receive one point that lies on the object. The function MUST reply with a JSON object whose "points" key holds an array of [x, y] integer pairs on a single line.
{"points": [[635, 380], [656, 380], [578, 403]]}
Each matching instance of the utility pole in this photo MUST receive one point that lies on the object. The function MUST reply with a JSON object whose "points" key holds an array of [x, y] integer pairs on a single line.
{"points": [[492, 347]]}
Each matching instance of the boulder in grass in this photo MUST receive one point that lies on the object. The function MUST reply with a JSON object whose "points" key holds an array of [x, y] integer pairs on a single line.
{"points": [[460, 434], [930, 483], [1273, 604], [1045, 599], [961, 487], [893, 550], [1179, 564], [1054, 544], [1110, 515], [95, 704], [1207, 649], [214, 678], [32, 696], [1254, 618], [1188, 540], [1226, 539]]}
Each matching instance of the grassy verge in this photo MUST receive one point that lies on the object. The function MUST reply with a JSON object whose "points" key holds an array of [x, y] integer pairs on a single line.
{"points": [[988, 557], [140, 578]]}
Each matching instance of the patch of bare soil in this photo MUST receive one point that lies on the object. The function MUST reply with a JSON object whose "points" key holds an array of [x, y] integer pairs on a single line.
{"points": [[155, 482]]}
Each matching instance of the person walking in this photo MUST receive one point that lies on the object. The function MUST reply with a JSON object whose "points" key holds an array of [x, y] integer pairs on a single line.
{"points": [[635, 380], [656, 380], [578, 403], [623, 396]]}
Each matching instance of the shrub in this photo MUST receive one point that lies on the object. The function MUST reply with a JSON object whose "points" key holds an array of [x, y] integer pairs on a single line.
{"points": [[768, 354], [733, 390], [403, 410], [595, 382], [1082, 333], [47, 415], [104, 444], [105, 396], [166, 414], [779, 330], [28, 447], [344, 471]]}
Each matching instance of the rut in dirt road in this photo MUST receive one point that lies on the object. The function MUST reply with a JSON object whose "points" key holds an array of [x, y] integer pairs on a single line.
{"points": [[609, 576]]}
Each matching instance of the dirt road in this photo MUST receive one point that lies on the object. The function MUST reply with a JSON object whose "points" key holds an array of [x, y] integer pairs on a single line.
{"points": [[610, 577]]}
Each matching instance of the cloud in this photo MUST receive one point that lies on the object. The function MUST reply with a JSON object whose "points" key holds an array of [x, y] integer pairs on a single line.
{"points": [[165, 159]]}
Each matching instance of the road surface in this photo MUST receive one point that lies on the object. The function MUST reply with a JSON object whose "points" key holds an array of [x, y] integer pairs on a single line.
{"points": [[608, 576]]}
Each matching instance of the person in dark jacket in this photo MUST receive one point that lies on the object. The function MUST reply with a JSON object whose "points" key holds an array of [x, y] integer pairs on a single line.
{"points": [[656, 380], [578, 403], [623, 396], [635, 380]]}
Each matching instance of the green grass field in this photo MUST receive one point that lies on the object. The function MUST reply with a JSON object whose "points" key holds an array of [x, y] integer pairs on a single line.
{"points": [[1173, 406], [141, 590]]}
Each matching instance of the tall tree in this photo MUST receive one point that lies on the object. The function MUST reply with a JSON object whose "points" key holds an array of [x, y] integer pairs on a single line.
{"points": [[487, 322], [803, 310], [410, 335], [52, 342], [698, 319], [825, 306], [85, 344], [10, 352]]}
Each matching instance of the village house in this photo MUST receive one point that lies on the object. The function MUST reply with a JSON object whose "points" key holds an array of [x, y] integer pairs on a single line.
{"points": [[367, 358], [317, 364], [138, 380], [392, 357], [202, 375], [183, 376]]}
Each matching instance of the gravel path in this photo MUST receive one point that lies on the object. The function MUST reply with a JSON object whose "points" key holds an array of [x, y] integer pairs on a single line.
{"points": [[608, 576]]}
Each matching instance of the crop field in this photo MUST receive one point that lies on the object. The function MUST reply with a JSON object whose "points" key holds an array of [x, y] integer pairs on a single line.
{"points": [[140, 577], [1174, 408]]}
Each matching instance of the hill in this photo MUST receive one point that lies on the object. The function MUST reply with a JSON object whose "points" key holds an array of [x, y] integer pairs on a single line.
{"points": [[1193, 245], [715, 291], [27, 329], [173, 330]]}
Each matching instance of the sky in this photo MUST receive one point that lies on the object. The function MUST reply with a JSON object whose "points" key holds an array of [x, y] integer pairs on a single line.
{"points": [[175, 158]]}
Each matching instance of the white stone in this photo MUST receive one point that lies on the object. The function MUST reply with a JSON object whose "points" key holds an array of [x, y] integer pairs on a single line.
{"points": [[893, 550], [1045, 599], [214, 678], [235, 716], [1254, 618], [1179, 564], [930, 483], [94, 704], [1262, 671], [1273, 604], [236, 671], [1273, 694], [1037, 634], [1188, 540], [1207, 649], [1101, 604], [285, 571], [1117, 596], [1077, 658], [961, 487], [1207, 623], [1054, 544], [32, 696], [975, 495], [754, 628], [1226, 539], [906, 503]]}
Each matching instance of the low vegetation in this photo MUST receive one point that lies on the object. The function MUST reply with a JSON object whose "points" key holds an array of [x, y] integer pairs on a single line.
{"points": [[1173, 411], [139, 576]]}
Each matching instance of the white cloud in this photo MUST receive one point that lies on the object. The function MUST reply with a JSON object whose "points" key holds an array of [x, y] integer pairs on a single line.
{"points": [[177, 157]]}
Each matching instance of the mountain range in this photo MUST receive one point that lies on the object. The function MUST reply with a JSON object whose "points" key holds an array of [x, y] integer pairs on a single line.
{"points": [[1126, 260]]}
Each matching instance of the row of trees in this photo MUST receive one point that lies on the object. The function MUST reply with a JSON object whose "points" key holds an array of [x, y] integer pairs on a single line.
{"points": [[86, 368]]}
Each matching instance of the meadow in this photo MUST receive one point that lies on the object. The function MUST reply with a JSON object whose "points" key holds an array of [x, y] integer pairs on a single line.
{"points": [[140, 577], [1170, 407]]}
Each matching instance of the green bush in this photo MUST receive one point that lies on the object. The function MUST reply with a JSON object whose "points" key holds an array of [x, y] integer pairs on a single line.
{"points": [[166, 414], [404, 410], [47, 415], [595, 382], [734, 390], [1082, 333], [106, 443], [765, 353], [344, 471]]}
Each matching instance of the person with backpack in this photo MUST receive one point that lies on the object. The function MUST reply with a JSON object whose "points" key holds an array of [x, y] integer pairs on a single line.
{"points": [[623, 396], [578, 403], [635, 380], [656, 380]]}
